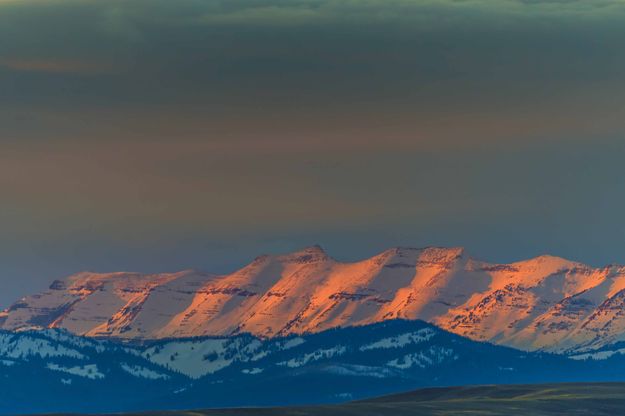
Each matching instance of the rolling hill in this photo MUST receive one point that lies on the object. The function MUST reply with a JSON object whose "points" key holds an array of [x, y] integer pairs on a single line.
{"points": [[583, 399], [55, 371]]}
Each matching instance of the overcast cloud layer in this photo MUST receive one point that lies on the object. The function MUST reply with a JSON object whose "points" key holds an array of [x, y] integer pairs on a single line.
{"points": [[161, 135]]}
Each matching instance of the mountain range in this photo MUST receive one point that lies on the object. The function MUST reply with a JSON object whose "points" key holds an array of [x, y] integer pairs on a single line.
{"points": [[304, 328], [546, 303], [54, 371]]}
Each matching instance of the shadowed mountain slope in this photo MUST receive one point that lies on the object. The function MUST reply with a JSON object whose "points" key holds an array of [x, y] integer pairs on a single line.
{"points": [[543, 303]]}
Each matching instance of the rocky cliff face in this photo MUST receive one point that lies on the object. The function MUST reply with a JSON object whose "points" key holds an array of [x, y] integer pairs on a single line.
{"points": [[543, 303]]}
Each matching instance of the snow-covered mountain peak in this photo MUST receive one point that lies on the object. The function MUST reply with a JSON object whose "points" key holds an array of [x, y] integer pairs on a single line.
{"points": [[419, 256], [441, 255], [307, 255], [545, 302], [547, 264]]}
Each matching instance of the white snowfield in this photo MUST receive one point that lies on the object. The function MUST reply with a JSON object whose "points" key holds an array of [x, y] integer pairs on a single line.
{"points": [[252, 371], [193, 358], [55, 345], [142, 372], [545, 303], [433, 356], [314, 356], [21, 347], [88, 371], [199, 357], [401, 340]]}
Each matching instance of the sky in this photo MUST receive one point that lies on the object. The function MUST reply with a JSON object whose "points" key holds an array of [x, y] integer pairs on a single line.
{"points": [[159, 135]]}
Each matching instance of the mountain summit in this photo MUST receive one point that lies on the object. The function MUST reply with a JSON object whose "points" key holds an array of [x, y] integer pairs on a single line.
{"points": [[543, 303]]}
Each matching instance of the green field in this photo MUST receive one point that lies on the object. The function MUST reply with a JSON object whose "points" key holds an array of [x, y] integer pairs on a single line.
{"points": [[595, 399]]}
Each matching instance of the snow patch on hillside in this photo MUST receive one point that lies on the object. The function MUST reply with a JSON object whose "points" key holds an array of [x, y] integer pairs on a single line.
{"points": [[21, 347], [88, 371], [314, 356], [401, 341], [432, 356], [194, 359], [252, 371], [142, 372]]}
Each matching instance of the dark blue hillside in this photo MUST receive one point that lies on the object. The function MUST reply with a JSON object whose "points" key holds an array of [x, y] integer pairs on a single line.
{"points": [[444, 359], [56, 372]]}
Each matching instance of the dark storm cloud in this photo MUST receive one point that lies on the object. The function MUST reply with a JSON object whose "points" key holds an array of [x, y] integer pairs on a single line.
{"points": [[303, 52], [168, 134]]}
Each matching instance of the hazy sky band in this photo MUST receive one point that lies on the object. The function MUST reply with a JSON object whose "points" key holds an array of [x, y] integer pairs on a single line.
{"points": [[155, 135]]}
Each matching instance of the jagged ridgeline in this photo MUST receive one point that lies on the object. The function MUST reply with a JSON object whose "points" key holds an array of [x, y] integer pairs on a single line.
{"points": [[545, 303]]}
